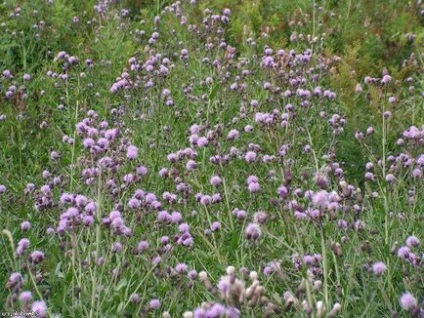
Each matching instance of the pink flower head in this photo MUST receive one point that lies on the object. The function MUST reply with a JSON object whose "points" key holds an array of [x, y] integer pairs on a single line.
{"points": [[321, 199], [412, 241], [252, 179], [253, 231], [202, 142], [250, 156], [40, 308], [283, 192], [25, 297], [132, 152], [379, 268], [407, 301], [254, 187], [25, 226], [215, 181], [403, 252], [233, 134]]}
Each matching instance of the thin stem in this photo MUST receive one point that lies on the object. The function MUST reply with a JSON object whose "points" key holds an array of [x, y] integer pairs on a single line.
{"points": [[325, 265], [98, 242]]}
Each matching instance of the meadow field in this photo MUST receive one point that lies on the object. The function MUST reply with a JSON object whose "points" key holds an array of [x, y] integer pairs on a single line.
{"points": [[212, 158]]}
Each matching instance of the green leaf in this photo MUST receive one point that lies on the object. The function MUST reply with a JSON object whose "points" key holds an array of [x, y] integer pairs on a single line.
{"points": [[213, 92], [122, 283], [58, 272]]}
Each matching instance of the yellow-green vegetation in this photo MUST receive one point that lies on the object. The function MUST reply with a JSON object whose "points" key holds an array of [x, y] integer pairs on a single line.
{"points": [[212, 158]]}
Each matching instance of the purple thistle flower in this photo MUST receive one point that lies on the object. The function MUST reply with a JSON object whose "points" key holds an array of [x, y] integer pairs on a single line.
{"points": [[379, 268], [7, 74], [215, 226], [260, 217], [253, 231], [386, 79], [139, 194], [403, 252], [250, 156], [176, 217], [88, 220], [216, 198], [166, 92], [215, 181], [142, 246], [205, 200], [141, 170], [233, 313], [412, 241], [88, 143], [181, 268], [254, 187], [194, 129], [135, 298], [309, 260], [216, 310], [81, 200], [45, 189], [283, 192], [15, 280], [25, 226], [252, 179], [417, 173], [70, 213], [132, 152], [193, 139], [29, 188], [187, 241], [25, 297], [202, 142], [369, 176], [241, 214], [226, 12], [23, 244], [150, 197], [321, 199], [116, 247], [191, 165], [420, 160], [163, 173], [407, 301], [40, 308], [184, 228], [164, 216], [164, 240], [387, 114], [233, 134], [172, 157], [248, 128], [36, 257], [390, 178], [192, 275], [90, 208], [133, 203], [156, 260], [156, 204], [46, 174], [199, 313], [103, 143]]}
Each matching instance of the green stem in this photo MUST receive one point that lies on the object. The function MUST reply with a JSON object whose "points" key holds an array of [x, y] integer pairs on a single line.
{"points": [[325, 265], [97, 253]]}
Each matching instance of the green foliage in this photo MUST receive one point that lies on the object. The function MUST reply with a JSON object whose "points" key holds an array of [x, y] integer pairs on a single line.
{"points": [[349, 41]]}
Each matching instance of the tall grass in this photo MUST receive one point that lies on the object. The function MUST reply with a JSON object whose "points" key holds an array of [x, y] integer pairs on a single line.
{"points": [[211, 159]]}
